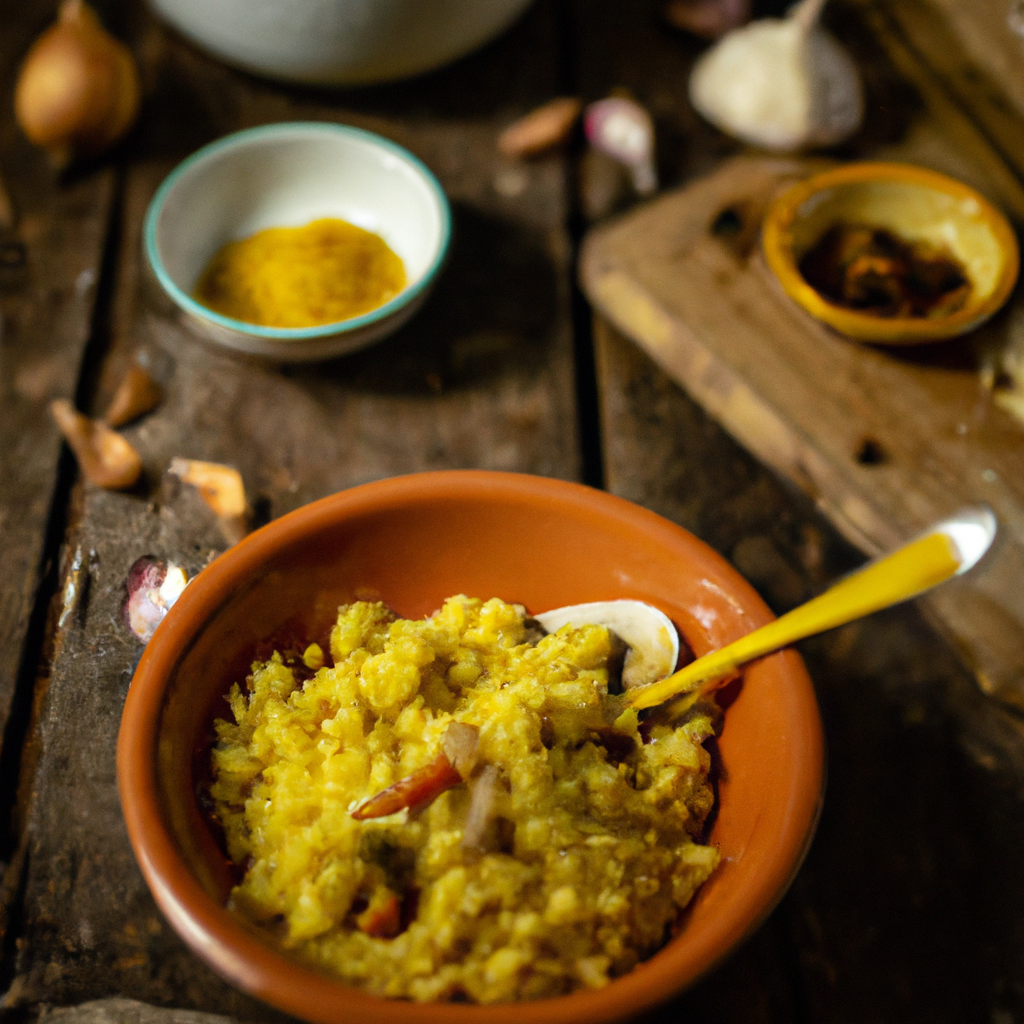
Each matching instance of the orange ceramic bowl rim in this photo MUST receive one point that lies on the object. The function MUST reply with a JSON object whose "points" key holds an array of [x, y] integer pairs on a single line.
{"points": [[776, 241], [766, 864]]}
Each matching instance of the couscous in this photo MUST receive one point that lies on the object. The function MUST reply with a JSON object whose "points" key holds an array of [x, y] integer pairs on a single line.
{"points": [[438, 809]]}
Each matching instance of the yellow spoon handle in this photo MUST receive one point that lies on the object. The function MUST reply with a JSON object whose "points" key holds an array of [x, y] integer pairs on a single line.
{"points": [[908, 571]]}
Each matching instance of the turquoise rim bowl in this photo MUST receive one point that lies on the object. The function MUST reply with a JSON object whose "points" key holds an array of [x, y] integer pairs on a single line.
{"points": [[300, 130]]}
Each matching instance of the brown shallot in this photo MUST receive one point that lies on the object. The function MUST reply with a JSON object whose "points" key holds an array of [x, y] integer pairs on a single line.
{"points": [[78, 88]]}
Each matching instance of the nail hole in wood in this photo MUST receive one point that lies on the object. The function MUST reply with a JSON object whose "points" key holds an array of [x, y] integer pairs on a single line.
{"points": [[737, 227], [870, 452], [728, 223], [12, 255]]}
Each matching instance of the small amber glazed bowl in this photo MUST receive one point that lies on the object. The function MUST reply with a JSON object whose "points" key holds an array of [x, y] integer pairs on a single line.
{"points": [[416, 540], [914, 203]]}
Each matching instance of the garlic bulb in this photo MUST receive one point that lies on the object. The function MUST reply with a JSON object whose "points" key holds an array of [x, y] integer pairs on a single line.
{"points": [[782, 84], [623, 130], [78, 88]]}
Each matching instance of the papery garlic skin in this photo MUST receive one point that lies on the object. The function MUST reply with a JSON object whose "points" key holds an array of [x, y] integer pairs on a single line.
{"points": [[780, 85]]}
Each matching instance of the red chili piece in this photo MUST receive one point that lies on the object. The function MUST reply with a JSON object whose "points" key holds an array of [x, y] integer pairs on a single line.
{"points": [[429, 782], [382, 919]]}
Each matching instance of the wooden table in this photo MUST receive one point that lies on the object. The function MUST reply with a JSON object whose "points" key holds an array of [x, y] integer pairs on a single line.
{"points": [[910, 906]]}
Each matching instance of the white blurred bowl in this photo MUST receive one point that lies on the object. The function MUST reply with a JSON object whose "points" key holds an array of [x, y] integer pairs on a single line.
{"points": [[286, 175], [340, 42]]}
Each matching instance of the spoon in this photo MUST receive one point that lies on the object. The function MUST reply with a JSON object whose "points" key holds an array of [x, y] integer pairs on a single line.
{"points": [[947, 549]]}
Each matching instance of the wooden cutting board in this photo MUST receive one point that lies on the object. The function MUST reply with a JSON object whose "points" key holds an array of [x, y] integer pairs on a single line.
{"points": [[886, 440]]}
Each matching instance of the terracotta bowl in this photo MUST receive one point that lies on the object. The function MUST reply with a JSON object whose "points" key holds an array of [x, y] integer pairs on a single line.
{"points": [[919, 205], [415, 540]]}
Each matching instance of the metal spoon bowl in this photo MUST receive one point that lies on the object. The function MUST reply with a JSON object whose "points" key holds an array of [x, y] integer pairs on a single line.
{"points": [[947, 549]]}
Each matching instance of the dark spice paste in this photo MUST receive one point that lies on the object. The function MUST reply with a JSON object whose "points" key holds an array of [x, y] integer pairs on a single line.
{"points": [[875, 271]]}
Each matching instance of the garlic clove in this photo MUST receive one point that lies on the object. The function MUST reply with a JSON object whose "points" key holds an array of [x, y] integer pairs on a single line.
{"points": [[152, 588], [623, 130], [483, 803], [78, 87], [542, 129], [459, 744], [105, 457], [136, 395], [781, 84], [221, 487]]}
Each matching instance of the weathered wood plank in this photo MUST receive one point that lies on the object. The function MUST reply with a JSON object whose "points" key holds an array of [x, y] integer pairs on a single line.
{"points": [[125, 1011], [50, 260], [978, 49], [482, 376], [941, 122], [900, 912]]}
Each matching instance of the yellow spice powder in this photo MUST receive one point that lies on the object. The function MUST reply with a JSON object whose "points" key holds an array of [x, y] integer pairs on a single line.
{"points": [[326, 271]]}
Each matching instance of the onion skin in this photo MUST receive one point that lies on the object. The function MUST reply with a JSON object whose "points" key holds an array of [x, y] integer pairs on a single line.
{"points": [[78, 88]]}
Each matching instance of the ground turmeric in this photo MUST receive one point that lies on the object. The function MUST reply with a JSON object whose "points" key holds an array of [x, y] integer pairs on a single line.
{"points": [[323, 272]]}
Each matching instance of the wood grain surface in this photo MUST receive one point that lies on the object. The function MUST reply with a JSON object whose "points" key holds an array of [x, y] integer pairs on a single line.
{"points": [[908, 907], [50, 256], [52, 246]]}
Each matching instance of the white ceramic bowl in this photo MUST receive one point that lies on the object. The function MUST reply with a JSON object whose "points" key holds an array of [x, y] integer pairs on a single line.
{"points": [[286, 175], [340, 42]]}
